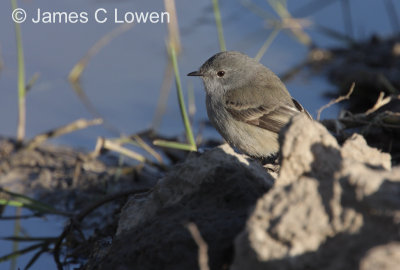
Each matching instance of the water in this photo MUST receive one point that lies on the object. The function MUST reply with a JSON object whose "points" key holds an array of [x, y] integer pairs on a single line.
{"points": [[124, 79], [50, 226]]}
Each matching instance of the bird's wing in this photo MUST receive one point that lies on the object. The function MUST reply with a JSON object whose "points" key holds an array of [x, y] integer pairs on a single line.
{"points": [[301, 109], [268, 114]]}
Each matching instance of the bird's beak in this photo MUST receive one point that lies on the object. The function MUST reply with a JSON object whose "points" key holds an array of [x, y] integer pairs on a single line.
{"points": [[195, 73]]}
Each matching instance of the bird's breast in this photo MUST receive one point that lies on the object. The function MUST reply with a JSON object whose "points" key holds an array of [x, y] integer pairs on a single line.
{"points": [[249, 139]]}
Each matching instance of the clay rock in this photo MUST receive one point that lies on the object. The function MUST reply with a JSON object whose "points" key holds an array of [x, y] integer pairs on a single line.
{"points": [[385, 257], [356, 149], [296, 153], [214, 190], [329, 206]]}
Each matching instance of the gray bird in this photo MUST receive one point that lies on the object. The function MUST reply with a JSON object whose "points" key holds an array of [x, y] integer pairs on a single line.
{"points": [[246, 102]]}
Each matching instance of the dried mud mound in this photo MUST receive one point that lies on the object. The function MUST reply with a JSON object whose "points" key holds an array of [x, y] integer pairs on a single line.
{"points": [[214, 190], [331, 207]]}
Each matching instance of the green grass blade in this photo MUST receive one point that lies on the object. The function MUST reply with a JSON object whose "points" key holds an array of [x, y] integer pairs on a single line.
{"points": [[185, 118], [19, 200], [218, 21], [175, 145], [30, 205]]}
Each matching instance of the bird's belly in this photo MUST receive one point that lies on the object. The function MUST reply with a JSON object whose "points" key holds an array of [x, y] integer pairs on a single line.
{"points": [[248, 139], [252, 140]]}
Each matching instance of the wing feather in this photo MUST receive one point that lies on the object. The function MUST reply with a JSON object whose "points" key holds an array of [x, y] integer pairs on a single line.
{"points": [[271, 118]]}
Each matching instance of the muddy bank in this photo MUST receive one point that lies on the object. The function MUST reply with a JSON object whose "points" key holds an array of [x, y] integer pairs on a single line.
{"points": [[85, 193]]}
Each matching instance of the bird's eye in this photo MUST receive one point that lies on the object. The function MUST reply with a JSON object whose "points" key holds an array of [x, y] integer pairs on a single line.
{"points": [[221, 73]]}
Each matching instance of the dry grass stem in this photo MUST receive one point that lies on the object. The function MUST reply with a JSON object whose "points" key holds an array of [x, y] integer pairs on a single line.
{"points": [[103, 143], [286, 21], [266, 44], [147, 148], [76, 125], [164, 94], [1, 60], [379, 103], [77, 70], [173, 41], [21, 81], [173, 27], [394, 19], [348, 22], [335, 101], [203, 248], [106, 144], [385, 119]]}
